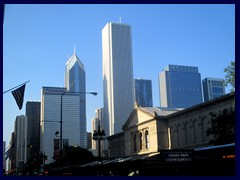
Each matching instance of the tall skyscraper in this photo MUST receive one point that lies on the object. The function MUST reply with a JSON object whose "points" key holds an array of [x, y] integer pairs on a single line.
{"points": [[117, 75], [143, 92], [213, 88], [180, 86], [20, 131], [50, 121], [75, 81], [33, 131]]}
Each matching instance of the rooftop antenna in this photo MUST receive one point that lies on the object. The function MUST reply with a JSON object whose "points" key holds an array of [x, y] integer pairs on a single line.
{"points": [[74, 50], [120, 19]]}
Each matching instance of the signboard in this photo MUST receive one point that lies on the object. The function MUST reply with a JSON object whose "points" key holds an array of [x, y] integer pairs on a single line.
{"points": [[177, 156]]}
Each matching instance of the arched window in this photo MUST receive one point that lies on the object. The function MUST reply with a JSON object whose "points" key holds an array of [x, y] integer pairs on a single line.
{"points": [[146, 139], [134, 143], [140, 141]]}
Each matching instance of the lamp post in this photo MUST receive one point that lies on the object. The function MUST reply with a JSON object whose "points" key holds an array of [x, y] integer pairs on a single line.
{"points": [[98, 136], [61, 121]]}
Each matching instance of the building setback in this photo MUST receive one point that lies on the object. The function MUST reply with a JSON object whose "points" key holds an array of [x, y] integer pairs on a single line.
{"points": [[143, 92], [117, 75], [213, 88], [180, 86]]}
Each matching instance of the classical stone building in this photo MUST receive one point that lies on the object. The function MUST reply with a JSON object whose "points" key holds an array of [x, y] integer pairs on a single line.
{"points": [[150, 129]]}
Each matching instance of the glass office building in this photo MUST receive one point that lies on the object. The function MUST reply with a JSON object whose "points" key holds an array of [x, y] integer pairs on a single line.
{"points": [[143, 92], [213, 88], [180, 86], [75, 81]]}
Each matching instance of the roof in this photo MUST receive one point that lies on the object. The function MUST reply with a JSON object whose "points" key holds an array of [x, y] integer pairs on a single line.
{"points": [[158, 111]]}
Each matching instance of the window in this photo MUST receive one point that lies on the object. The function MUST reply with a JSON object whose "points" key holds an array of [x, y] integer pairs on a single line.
{"points": [[146, 139], [140, 141], [134, 143]]}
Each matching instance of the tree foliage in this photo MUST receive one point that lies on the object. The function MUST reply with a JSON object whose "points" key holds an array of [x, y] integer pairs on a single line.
{"points": [[230, 76], [223, 128]]}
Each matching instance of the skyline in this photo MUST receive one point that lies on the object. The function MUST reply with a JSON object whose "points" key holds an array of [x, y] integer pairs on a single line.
{"points": [[42, 36]]}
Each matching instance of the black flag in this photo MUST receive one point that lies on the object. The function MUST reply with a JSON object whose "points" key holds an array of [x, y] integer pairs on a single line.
{"points": [[18, 94]]}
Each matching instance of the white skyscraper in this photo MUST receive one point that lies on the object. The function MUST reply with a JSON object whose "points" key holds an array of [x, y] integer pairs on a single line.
{"points": [[117, 75], [75, 81], [50, 120]]}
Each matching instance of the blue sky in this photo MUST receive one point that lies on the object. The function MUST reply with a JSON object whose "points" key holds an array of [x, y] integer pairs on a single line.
{"points": [[38, 38]]}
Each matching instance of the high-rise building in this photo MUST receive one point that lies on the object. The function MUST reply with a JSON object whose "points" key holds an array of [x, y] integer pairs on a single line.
{"points": [[143, 92], [98, 120], [75, 81], [180, 86], [33, 131], [213, 88], [4, 156], [117, 75], [50, 121], [20, 131]]}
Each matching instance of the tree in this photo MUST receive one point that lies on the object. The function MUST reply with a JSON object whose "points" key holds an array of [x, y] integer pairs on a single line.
{"points": [[230, 76], [223, 128]]}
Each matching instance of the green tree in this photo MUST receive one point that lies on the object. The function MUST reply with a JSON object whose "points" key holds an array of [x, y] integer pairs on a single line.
{"points": [[223, 128], [230, 76]]}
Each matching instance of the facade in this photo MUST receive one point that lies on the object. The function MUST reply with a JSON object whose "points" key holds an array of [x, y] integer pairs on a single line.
{"points": [[143, 92], [180, 86], [213, 88], [33, 135], [12, 152], [50, 121], [151, 129], [98, 120], [20, 132], [89, 140], [4, 156], [75, 81], [117, 75]]}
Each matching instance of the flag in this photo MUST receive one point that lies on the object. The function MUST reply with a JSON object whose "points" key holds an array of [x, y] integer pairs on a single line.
{"points": [[18, 95]]}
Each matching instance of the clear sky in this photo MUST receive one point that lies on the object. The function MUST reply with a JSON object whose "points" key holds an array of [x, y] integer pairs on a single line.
{"points": [[38, 38]]}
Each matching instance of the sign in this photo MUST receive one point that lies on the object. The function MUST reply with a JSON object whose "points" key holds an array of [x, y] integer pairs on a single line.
{"points": [[177, 156]]}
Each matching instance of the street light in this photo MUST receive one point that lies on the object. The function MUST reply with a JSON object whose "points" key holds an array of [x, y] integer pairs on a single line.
{"points": [[98, 136], [61, 121]]}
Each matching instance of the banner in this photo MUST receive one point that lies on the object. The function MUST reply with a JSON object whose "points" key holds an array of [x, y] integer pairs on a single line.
{"points": [[18, 95]]}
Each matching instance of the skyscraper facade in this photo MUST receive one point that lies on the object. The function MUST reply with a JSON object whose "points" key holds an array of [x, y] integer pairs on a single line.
{"points": [[117, 75], [50, 121], [75, 81], [180, 86], [213, 88], [143, 92], [20, 132], [33, 131]]}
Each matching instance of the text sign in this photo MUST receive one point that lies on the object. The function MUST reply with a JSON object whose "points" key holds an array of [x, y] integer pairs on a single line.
{"points": [[177, 156]]}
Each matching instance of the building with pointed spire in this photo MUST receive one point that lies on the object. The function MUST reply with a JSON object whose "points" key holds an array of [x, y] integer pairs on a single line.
{"points": [[75, 81]]}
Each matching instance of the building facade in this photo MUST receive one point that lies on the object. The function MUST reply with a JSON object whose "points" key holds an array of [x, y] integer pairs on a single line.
{"points": [[33, 131], [50, 121], [213, 88], [20, 132], [143, 92], [117, 75], [151, 129], [180, 86], [75, 81]]}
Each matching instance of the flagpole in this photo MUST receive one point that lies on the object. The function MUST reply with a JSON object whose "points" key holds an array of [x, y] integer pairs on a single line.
{"points": [[16, 86]]}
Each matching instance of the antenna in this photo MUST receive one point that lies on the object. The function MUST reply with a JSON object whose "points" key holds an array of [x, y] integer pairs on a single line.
{"points": [[74, 50], [120, 19]]}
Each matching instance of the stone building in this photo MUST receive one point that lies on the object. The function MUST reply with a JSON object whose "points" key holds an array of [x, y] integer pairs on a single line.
{"points": [[151, 129]]}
